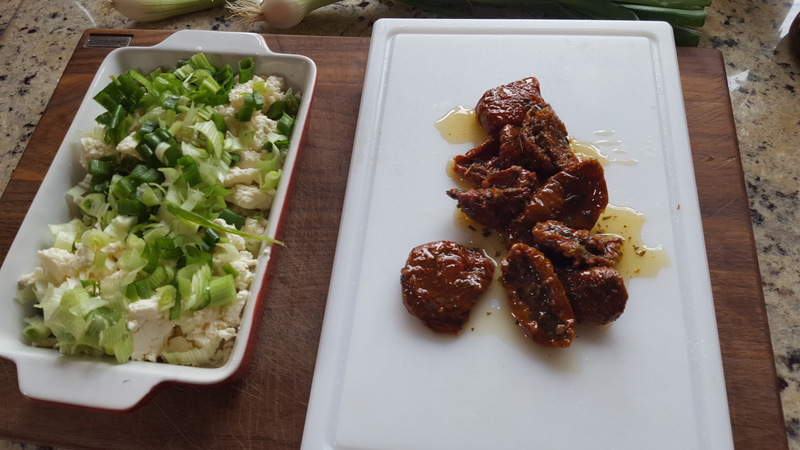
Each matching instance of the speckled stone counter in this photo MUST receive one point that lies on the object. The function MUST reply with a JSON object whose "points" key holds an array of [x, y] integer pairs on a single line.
{"points": [[37, 38]]}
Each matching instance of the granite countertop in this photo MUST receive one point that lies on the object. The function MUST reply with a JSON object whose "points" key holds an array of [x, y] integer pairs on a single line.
{"points": [[37, 38]]}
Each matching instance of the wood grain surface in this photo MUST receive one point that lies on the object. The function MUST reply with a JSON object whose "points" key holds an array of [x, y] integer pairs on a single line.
{"points": [[266, 409]]}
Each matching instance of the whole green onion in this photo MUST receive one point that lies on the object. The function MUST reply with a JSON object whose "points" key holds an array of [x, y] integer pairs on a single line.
{"points": [[681, 14], [152, 10]]}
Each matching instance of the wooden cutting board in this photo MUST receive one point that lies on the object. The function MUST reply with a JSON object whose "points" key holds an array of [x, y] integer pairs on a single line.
{"points": [[267, 407]]}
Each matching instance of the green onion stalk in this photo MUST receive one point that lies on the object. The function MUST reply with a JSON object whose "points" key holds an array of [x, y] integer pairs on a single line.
{"points": [[685, 16], [154, 10]]}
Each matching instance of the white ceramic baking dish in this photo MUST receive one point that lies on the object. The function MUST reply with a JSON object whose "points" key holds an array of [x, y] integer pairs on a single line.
{"points": [[45, 374]]}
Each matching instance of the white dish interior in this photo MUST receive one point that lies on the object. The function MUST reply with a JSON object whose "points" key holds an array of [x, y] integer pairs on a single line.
{"points": [[384, 381], [45, 374]]}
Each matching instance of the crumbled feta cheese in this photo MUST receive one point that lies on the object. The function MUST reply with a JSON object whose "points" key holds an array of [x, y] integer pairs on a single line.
{"points": [[237, 175], [226, 111], [250, 197], [248, 159], [233, 312], [274, 92], [226, 333], [235, 240], [255, 227], [84, 254], [127, 147], [178, 344], [203, 329], [31, 278], [58, 264], [114, 249], [244, 263], [94, 148], [210, 330], [262, 126], [236, 95], [244, 266], [150, 328]]}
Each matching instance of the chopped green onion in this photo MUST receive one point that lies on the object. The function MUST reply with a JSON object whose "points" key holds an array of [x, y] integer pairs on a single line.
{"points": [[189, 216], [99, 186], [192, 357], [131, 293], [246, 69], [147, 152], [93, 287], [214, 198], [176, 308], [26, 295], [285, 124], [139, 174], [167, 296], [94, 205], [65, 240], [288, 105], [141, 79], [36, 331], [193, 286], [95, 239], [190, 171], [230, 270], [117, 341], [214, 137], [143, 289], [235, 158], [171, 102], [199, 61], [150, 194], [197, 256], [100, 167], [161, 276], [167, 249], [249, 106], [253, 102], [232, 218], [221, 290], [269, 181], [151, 254], [147, 127], [210, 239], [292, 103], [123, 188], [219, 122], [131, 207]]}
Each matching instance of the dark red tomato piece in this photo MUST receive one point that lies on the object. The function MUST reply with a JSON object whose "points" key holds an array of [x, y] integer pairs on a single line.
{"points": [[441, 282], [537, 298]]}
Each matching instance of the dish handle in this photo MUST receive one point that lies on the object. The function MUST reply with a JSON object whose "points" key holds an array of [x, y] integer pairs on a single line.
{"points": [[92, 384], [215, 41]]}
